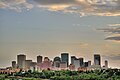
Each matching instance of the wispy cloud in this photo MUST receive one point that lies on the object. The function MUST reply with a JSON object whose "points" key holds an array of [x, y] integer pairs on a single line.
{"points": [[114, 38], [113, 31], [82, 7], [16, 5]]}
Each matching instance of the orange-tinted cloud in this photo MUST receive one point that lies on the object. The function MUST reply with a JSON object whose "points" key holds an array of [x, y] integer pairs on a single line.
{"points": [[83, 7]]}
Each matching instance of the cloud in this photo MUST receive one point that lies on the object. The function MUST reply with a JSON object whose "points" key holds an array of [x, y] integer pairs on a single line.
{"points": [[114, 25], [16, 5], [113, 31], [82, 7], [114, 38], [55, 2]]}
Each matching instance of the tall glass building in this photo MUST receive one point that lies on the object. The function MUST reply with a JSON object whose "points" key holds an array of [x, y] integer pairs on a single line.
{"points": [[97, 59], [65, 58], [39, 59]]}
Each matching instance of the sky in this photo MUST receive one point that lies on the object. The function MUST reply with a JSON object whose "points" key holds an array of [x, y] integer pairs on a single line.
{"points": [[50, 27]]}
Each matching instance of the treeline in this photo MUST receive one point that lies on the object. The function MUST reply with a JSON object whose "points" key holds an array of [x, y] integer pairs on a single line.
{"points": [[110, 74]]}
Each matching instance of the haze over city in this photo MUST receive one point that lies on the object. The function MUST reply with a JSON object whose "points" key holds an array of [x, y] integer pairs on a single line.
{"points": [[48, 28]]}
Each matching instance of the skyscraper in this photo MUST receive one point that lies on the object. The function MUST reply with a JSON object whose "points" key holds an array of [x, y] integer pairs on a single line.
{"points": [[85, 64], [65, 58], [72, 59], [97, 59], [81, 62], [56, 62], [89, 63], [21, 60], [39, 59], [77, 63], [14, 64]]}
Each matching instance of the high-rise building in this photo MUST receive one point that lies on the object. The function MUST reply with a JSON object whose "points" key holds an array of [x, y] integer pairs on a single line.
{"points": [[14, 65], [28, 64], [81, 62], [56, 62], [89, 63], [21, 60], [39, 59], [97, 59], [85, 64], [77, 63], [65, 58], [106, 63], [72, 59]]}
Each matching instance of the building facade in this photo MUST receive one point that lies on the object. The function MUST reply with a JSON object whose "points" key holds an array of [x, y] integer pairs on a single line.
{"points": [[65, 58], [97, 59], [14, 65], [39, 59], [21, 60]]}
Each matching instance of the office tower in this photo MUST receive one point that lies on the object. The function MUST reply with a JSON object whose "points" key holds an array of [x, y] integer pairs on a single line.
{"points": [[106, 63], [81, 62], [72, 59], [21, 60], [85, 64], [89, 63], [97, 59], [39, 59], [77, 63], [27, 64], [56, 62], [14, 64], [65, 58]]}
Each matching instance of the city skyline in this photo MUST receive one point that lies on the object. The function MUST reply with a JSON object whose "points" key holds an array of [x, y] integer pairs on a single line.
{"points": [[59, 63], [65, 57], [47, 28]]}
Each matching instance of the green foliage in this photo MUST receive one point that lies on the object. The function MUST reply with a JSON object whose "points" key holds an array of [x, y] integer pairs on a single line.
{"points": [[110, 74]]}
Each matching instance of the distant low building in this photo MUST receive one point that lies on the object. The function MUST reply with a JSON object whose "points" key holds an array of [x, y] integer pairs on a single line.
{"points": [[46, 64], [27, 64], [94, 67], [106, 65], [72, 67], [33, 66], [63, 65]]}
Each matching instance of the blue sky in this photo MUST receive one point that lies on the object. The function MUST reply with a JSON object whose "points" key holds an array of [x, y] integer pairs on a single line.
{"points": [[49, 28]]}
